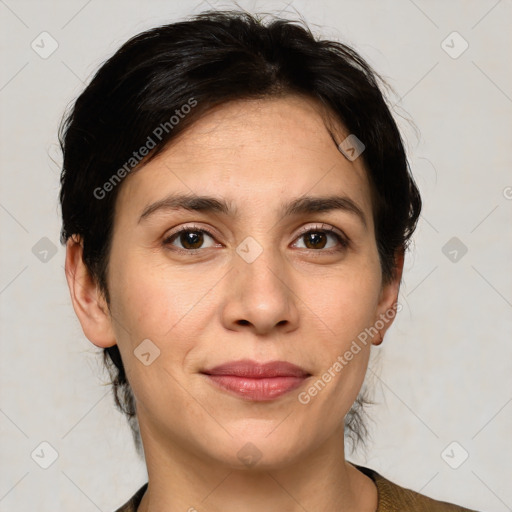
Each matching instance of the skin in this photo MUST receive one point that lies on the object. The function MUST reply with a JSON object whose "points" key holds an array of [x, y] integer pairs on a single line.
{"points": [[297, 302]]}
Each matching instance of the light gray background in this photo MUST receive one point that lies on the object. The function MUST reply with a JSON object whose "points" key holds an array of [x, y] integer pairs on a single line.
{"points": [[445, 365]]}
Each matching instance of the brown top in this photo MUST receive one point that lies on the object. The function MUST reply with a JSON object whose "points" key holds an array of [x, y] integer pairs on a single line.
{"points": [[391, 498]]}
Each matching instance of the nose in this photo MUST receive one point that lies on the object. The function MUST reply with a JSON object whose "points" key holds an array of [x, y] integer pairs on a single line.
{"points": [[260, 296]]}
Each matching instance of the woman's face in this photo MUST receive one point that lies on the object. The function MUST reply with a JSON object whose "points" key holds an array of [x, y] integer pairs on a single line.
{"points": [[260, 283]]}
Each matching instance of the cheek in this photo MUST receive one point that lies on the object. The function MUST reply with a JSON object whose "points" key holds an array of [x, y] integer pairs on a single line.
{"points": [[169, 308], [346, 308], [345, 305], [152, 300], [150, 303], [346, 302]]}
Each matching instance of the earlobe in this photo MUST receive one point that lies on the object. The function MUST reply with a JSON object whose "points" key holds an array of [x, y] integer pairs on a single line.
{"points": [[88, 301], [388, 301]]}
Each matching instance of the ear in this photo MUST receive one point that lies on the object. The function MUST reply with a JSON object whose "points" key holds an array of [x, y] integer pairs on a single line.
{"points": [[88, 302], [388, 300]]}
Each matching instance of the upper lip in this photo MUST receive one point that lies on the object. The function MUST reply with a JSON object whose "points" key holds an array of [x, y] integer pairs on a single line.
{"points": [[255, 370]]}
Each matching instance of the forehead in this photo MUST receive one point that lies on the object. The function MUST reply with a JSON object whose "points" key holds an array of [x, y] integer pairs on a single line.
{"points": [[253, 151]]}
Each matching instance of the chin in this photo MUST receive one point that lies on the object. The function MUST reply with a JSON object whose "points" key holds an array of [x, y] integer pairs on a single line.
{"points": [[257, 450]]}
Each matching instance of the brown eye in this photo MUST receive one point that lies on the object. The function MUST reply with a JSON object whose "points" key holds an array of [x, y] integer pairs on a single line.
{"points": [[315, 240], [318, 238], [189, 239]]}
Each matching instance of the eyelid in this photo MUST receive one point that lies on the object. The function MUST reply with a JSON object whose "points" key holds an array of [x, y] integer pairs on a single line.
{"points": [[322, 227], [190, 227], [327, 228]]}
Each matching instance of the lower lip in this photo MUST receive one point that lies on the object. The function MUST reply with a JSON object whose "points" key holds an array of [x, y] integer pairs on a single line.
{"points": [[261, 389]]}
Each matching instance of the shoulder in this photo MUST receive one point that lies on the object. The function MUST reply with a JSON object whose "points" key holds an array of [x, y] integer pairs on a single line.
{"points": [[132, 504], [394, 498]]}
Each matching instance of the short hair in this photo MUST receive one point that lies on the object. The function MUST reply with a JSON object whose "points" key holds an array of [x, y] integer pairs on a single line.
{"points": [[163, 80]]}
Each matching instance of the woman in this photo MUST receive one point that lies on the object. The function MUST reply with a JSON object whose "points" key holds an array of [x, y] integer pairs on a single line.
{"points": [[236, 205]]}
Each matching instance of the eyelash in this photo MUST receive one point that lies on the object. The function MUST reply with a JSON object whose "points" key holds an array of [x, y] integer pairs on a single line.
{"points": [[323, 228]]}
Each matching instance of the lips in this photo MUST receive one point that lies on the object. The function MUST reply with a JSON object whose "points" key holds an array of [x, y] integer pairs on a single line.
{"points": [[254, 370], [257, 381]]}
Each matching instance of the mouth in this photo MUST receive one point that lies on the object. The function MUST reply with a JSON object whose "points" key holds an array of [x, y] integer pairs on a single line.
{"points": [[255, 381]]}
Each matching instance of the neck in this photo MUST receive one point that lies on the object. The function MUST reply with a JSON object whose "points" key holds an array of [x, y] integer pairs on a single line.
{"points": [[322, 480]]}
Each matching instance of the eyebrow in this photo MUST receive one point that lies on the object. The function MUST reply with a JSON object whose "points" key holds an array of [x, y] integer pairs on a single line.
{"points": [[299, 206]]}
